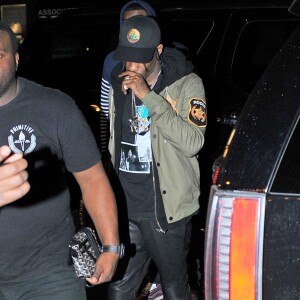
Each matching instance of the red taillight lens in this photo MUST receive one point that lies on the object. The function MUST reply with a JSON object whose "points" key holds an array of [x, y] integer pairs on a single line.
{"points": [[243, 249], [216, 169], [233, 249], [216, 174]]}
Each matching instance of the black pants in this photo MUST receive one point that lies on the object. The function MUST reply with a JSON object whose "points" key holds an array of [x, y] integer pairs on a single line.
{"points": [[57, 283], [167, 250]]}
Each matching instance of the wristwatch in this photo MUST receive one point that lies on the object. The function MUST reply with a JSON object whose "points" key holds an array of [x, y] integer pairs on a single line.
{"points": [[118, 249]]}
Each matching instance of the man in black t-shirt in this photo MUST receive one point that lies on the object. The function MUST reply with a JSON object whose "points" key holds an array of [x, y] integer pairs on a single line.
{"points": [[46, 126]]}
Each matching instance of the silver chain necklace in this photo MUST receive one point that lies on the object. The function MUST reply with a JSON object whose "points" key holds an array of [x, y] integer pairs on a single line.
{"points": [[136, 122]]}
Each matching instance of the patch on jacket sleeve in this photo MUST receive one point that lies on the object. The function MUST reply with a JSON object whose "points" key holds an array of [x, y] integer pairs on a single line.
{"points": [[197, 113]]}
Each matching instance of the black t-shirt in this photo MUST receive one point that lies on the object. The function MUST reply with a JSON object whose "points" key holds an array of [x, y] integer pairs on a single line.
{"points": [[136, 168], [49, 129]]}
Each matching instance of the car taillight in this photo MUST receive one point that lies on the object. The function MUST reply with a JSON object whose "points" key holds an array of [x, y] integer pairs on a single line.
{"points": [[233, 246]]}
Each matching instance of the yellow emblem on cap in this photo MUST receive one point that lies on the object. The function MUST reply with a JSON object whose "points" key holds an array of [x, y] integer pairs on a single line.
{"points": [[133, 36]]}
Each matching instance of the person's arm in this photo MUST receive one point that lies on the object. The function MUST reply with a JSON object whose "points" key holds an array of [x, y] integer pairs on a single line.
{"points": [[13, 177], [186, 135], [100, 203]]}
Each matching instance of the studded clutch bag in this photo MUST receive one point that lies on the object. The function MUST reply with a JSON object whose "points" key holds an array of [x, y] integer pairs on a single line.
{"points": [[84, 251]]}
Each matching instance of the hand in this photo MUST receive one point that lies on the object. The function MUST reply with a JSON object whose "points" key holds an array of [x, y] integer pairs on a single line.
{"points": [[136, 82], [13, 177], [105, 268]]}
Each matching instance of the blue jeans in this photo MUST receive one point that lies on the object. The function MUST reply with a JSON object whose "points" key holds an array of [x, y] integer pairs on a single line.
{"points": [[167, 250]]}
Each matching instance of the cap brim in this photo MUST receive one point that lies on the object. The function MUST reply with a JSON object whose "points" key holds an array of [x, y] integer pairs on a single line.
{"points": [[138, 55]]}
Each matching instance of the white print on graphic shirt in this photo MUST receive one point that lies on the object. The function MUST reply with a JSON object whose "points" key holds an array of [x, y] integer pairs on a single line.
{"points": [[22, 139], [130, 160], [143, 143]]}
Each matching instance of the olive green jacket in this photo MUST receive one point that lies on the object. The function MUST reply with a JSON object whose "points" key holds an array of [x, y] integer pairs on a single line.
{"points": [[178, 122]]}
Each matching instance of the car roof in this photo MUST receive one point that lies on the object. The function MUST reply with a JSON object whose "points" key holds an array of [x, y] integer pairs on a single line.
{"points": [[91, 13], [266, 123], [105, 7], [191, 3]]}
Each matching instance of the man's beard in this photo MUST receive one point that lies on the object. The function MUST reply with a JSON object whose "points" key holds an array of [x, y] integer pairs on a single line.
{"points": [[6, 82]]}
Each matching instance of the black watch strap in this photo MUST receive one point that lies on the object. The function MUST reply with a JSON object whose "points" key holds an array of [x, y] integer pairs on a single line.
{"points": [[118, 249]]}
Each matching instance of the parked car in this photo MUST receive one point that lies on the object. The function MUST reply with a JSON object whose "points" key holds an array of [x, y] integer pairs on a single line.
{"points": [[252, 246]]}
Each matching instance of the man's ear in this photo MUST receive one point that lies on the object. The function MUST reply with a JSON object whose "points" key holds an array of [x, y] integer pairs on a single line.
{"points": [[17, 60], [160, 48]]}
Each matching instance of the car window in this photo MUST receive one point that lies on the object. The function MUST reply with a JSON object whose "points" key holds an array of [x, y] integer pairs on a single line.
{"points": [[77, 59], [287, 179], [68, 57], [259, 41], [190, 34]]}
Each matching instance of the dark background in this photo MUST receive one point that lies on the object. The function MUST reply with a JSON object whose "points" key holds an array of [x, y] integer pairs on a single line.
{"points": [[35, 7]]}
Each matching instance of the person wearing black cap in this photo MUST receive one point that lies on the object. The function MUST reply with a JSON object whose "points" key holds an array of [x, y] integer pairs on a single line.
{"points": [[131, 8], [158, 114]]}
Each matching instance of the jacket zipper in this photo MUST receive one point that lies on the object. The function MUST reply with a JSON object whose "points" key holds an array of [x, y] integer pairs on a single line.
{"points": [[159, 229]]}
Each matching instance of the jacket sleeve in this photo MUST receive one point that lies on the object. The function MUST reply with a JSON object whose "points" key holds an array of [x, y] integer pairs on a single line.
{"points": [[179, 124], [104, 118]]}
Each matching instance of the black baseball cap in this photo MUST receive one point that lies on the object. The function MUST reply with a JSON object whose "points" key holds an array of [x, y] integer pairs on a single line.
{"points": [[138, 39]]}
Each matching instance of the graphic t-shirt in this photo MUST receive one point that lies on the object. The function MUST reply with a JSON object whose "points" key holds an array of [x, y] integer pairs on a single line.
{"points": [[49, 129], [136, 162], [136, 154]]}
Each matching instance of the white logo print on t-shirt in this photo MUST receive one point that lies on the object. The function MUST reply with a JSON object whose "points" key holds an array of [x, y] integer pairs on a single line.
{"points": [[22, 139]]}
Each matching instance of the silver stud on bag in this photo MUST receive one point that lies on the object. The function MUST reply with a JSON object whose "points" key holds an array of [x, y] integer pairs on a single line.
{"points": [[84, 251]]}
